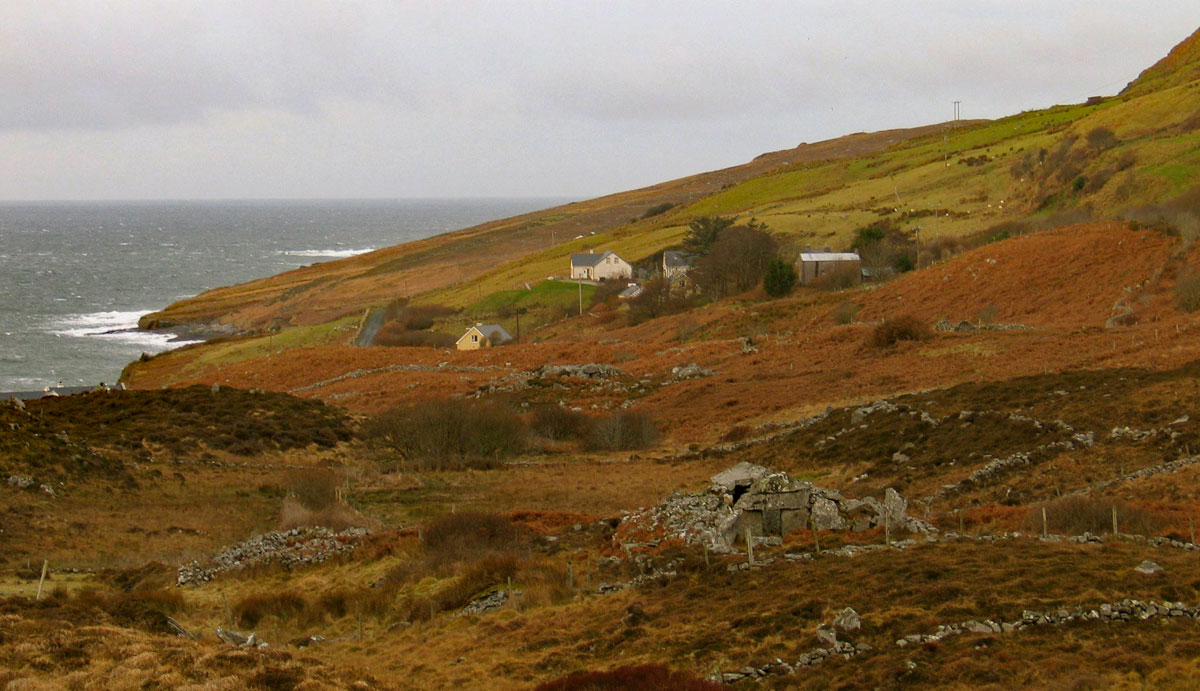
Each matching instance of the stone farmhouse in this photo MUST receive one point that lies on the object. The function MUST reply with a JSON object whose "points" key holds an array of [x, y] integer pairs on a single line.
{"points": [[675, 264], [813, 265], [604, 266], [482, 336]]}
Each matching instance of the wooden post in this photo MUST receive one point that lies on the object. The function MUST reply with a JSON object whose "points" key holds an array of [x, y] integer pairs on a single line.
{"points": [[42, 581], [816, 539], [1192, 529], [571, 576], [749, 547], [360, 623], [1115, 532], [958, 512], [1045, 524], [706, 565], [887, 529]]}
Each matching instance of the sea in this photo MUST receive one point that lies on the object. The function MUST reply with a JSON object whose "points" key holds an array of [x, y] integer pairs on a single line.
{"points": [[76, 276]]}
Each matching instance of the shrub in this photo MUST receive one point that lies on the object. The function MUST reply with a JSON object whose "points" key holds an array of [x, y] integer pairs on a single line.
{"points": [[469, 533], [315, 488], [623, 432], [658, 209], [395, 335], [1187, 290], [336, 516], [449, 433], [556, 422], [844, 314], [780, 278], [252, 609], [987, 315], [736, 261], [903, 328], [1078, 514]]}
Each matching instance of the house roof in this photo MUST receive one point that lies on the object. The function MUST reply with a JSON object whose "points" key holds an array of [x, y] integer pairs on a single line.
{"points": [[673, 259], [589, 258], [631, 291], [829, 257], [493, 332]]}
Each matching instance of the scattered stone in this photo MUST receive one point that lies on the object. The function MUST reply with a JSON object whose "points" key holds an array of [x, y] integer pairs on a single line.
{"points": [[20, 481], [1148, 567], [826, 634], [239, 639], [847, 620], [487, 603], [690, 371]]}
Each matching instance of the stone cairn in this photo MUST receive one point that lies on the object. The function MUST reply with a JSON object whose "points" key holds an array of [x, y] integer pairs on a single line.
{"points": [[755, 499]]}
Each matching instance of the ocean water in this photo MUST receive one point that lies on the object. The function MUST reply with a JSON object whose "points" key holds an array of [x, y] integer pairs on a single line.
{"points": [[76, 276]]}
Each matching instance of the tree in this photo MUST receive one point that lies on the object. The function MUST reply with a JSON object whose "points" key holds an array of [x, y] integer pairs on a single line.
{"points": [[780, 278], [703, 232], [736, 262]]}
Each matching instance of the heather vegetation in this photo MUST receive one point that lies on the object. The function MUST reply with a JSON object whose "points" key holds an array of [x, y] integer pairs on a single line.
{"points": [[444, 434]]}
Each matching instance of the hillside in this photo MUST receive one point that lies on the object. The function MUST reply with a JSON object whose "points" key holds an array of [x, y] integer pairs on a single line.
{"points": [[978, 473], [331, 290]]}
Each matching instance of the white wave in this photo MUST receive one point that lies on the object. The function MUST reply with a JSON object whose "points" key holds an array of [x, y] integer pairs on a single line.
{"points": [[98, 323], [119, 327], [331, 253]]}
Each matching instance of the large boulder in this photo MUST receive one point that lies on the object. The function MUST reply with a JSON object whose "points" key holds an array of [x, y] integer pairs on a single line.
{"points": [[825, 515], [743, 473], [895, 507]]}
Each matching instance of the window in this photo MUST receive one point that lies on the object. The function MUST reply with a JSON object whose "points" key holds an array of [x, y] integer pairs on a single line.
{"points": [[474, 338]]}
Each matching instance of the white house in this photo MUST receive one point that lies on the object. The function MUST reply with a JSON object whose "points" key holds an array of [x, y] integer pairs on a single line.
{"points": [[599, 267], [482, 336]]}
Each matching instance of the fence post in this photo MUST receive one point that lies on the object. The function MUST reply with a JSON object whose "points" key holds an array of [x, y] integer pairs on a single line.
{"points": [[749, 547], [1192, 529], [571, 576], [706, 564], [887, 529], [958, 512], [1114, 511], [42, 581], [1045, 524], [816, 539]]}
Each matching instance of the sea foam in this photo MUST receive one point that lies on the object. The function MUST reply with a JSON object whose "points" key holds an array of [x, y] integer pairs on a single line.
{"points": [[329, 253]]}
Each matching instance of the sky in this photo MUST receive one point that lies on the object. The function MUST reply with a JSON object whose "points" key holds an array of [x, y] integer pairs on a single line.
{"points": [[212, 99]]}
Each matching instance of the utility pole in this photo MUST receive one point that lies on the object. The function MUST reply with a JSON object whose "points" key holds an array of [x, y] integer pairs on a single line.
{"points": [[579, 283]]}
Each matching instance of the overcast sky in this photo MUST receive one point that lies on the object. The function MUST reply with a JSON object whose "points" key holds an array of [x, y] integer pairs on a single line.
{"points": [[145, 99]]}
